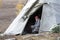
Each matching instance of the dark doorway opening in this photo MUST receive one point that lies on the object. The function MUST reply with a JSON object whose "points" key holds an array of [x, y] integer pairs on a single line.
{"points": [[31, 21]]}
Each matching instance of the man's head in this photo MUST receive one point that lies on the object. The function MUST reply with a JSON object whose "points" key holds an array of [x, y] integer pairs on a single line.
{"points": [[36, 18]]}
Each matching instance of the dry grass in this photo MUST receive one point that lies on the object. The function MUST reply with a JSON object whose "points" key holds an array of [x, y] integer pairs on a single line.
{"points": [[38, 37], [41, 36]]}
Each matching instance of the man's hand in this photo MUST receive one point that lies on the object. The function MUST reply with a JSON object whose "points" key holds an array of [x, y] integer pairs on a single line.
{"points": [[32, 26]]}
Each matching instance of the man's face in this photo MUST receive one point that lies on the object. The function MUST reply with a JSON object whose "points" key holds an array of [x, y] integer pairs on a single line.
{"points": [[36, 18]]}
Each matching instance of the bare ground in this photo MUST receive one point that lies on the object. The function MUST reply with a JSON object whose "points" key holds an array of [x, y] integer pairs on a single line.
{"points": [[8, 12]]}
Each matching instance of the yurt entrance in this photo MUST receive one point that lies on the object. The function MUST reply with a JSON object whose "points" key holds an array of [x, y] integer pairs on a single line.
{"points": [[31, 21]]}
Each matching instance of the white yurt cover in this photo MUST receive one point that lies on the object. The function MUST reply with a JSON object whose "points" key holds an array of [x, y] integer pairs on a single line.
{"points": [[50, 14]]}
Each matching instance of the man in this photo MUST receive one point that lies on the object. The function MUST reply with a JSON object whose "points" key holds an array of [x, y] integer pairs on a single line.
{"points": [[35, 27]]}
